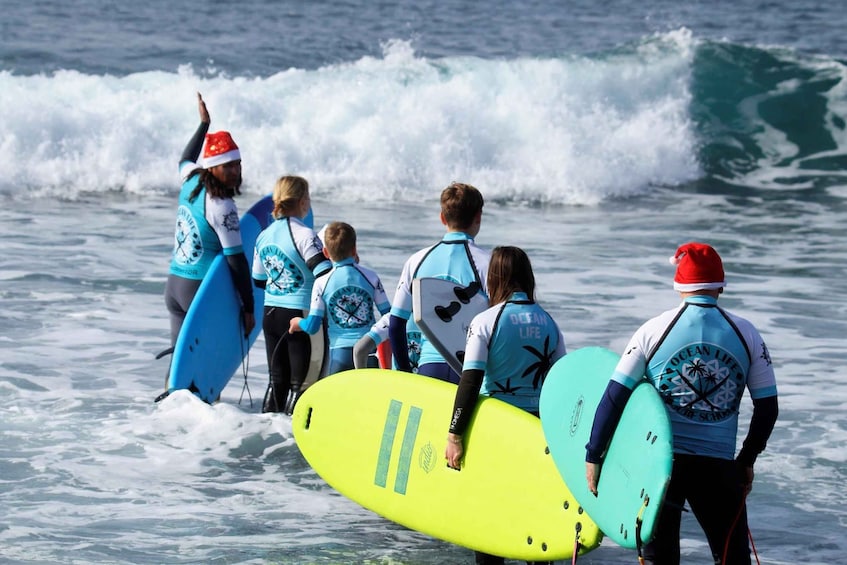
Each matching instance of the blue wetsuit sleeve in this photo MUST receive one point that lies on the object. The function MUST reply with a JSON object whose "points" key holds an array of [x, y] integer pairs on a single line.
{"points": [[765, 412], [195, 144], [240, 271], [399, 345], [606, 420], [311, 324]]}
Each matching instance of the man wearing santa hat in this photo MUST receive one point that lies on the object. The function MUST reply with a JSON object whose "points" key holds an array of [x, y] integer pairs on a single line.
{"points": [[700, 358], [207, 223]]}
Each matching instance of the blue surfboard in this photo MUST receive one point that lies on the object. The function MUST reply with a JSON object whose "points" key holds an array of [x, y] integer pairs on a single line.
{"points": [[211, 345], [637, 466]]}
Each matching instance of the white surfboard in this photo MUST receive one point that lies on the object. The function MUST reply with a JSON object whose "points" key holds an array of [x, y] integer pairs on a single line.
{"points": [[443, 310]]}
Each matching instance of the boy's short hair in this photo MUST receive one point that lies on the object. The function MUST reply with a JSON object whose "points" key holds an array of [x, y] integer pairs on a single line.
{"points": [[460, 204], [340, 240]]}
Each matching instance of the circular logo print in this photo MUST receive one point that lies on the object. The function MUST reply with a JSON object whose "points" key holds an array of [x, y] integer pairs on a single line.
{"points": [[703, 383], [188, 246], [283, 275], [351, 307]]}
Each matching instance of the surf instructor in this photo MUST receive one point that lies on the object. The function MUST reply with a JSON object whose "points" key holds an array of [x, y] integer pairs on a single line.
{"points": [[700, 358], [207, 222]]}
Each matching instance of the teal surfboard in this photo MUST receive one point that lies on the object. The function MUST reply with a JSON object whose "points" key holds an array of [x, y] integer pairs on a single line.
{"points": [[637, 466], [211, 345]]}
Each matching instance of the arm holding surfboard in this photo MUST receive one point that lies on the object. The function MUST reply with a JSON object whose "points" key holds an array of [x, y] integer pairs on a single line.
{"points": [[606, 419], [369, 343], [463, 406]]}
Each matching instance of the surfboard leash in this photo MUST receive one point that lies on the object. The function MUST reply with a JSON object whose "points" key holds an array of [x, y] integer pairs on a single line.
{"points": [[753, 545], [749, 533], [245, 368], [639, 520], [576, 544]]}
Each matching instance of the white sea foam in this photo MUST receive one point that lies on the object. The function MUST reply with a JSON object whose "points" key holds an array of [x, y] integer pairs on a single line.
{"points": [[557, 130]]}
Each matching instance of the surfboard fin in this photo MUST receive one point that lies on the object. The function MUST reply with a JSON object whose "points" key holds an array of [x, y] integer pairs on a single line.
{"points": [[464, 294], [446, 313], [162, 396]]}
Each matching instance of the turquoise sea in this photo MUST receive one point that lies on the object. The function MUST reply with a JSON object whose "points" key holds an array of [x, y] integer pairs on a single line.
{"points": [[602, 134]]}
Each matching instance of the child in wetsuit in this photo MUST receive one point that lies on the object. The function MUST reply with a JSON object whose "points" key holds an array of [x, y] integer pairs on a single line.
{"points": [[346, 297]]}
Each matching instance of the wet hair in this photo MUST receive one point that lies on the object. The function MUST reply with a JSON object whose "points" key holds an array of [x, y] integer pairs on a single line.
{"points": [[213, 186], [340, 240], [460, 204], [288, 192], [509, 271]]}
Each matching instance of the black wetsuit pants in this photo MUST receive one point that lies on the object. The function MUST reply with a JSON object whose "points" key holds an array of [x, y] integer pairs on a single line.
{"points": [[714, 491], [288, 359]]}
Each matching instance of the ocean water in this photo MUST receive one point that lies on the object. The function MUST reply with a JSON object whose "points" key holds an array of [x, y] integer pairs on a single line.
{"points": [[602, 135]]}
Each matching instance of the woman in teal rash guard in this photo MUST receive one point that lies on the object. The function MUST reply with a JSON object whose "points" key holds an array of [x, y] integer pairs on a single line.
{"points": [[509, 350], [207, 223]]}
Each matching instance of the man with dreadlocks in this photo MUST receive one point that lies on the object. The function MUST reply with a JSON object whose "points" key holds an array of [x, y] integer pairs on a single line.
{"points": [[207, 222]]}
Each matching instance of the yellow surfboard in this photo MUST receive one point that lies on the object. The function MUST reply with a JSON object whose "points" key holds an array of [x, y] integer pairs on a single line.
{"points": [[378, 437]]}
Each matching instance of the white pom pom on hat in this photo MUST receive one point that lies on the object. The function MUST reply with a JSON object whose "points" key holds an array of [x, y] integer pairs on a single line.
{"points": [[698, 267]]}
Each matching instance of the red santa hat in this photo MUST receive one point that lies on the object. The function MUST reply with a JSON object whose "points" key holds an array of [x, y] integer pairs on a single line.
{"points": [[698, 267], [220, 149]]}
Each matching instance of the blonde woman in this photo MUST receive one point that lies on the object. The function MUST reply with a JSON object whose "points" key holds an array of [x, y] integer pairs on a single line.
{"points": [[288, 257]]}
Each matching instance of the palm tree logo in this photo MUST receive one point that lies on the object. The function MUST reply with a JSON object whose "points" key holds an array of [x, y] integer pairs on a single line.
{"points": [[542, 366], [505, 388]]}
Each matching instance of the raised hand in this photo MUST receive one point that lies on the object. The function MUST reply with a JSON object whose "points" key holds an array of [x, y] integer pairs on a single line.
{"points": [[204, 113]]}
